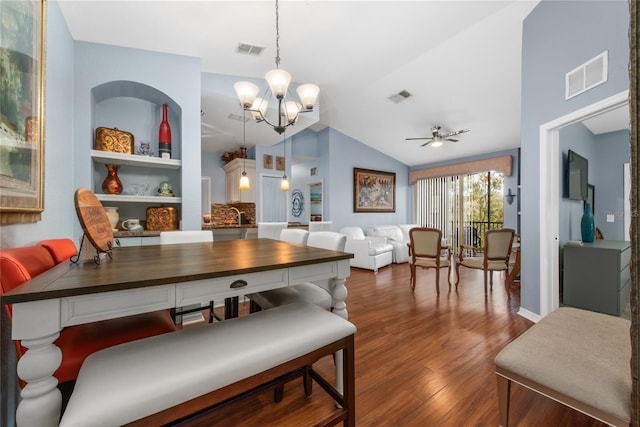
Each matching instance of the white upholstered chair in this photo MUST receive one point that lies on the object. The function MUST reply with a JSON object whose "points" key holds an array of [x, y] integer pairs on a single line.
{"points": [[270, 230], [369, 252], [320, 226], [294, 235], [191, 312], [315, 293], [425, 249]]}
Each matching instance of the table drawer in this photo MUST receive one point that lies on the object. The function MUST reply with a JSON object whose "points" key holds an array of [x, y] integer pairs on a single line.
{"points": [[109, 305], [310, 273], [217, 289]]}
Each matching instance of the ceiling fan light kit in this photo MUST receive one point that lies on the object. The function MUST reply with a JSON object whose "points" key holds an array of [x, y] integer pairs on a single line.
{"points": [[278, 81], [437, 139]]}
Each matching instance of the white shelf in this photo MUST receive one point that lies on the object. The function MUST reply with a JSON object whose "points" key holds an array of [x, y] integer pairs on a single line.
{"points": [[138, 199], [108, 157]]}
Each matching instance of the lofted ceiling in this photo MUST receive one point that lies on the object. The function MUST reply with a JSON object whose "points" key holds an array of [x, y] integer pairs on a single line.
{"points": [[459, 60]]}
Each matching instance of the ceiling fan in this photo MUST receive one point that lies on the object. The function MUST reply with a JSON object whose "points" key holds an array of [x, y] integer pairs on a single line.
{"points": [[436, 139]]}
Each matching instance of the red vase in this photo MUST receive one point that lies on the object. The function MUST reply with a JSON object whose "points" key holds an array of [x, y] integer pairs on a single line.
{"points": [[164, 137], [112, 184]]}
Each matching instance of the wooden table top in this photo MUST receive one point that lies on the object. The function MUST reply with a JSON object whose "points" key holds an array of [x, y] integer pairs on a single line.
{"points": [[143, 266]]}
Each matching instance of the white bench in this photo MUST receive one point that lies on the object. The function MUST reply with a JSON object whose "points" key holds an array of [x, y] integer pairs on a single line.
{"points": [[154, 381], [576, 357]]}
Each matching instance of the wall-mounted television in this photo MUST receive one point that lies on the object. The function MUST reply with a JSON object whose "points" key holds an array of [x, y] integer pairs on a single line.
{"points": [[577, 176]]}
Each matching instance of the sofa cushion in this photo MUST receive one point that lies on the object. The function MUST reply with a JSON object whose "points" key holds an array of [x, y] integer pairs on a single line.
{"points": [[379, 248], [392, 232]]}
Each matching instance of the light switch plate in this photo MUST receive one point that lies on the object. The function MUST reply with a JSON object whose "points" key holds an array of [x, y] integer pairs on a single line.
{"points": [[610, 218]]}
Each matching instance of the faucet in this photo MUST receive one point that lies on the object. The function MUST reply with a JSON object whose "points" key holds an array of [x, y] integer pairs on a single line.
{"points": [[238, 214]]}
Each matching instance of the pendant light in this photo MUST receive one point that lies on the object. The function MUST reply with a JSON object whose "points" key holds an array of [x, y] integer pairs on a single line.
{"points": [[244, 179], [284, 184]]}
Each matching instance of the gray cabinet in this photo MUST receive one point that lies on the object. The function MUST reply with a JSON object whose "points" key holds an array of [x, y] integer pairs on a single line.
{"points": [[597, 277]]}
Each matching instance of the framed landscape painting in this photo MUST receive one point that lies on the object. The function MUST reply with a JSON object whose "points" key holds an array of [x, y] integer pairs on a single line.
{"points": [[374, 191], [22, 75]]}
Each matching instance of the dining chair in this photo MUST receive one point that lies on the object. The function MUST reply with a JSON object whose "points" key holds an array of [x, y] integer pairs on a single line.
{"points": [[312, 292], [495, 255], [270, 230], [189, 236], [294, 235], [320, 226], [425, 251]]}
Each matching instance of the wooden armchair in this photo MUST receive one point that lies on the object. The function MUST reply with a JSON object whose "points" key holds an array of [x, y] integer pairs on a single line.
{"points": [[425, 251], [495, 254]]}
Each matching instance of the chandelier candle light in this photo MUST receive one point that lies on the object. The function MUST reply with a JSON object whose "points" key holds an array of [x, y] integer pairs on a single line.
{"points": [[284, 184], [278, 81], [244, 179]]}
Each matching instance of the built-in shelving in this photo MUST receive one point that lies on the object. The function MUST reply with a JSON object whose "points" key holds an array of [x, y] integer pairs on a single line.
{"points": [[107, 157], [138, 199]]}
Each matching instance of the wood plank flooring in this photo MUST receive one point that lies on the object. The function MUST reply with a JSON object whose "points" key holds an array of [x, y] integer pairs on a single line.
{"points": [[421, 359]]}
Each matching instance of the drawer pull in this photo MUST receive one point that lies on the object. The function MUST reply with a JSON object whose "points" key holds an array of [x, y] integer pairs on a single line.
{"points": [[238, 284]]}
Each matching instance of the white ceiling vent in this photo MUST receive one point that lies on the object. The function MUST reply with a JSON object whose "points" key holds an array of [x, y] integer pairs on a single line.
{"points": [[588, 75], [399, 97], [249, 49], [237, 117]]}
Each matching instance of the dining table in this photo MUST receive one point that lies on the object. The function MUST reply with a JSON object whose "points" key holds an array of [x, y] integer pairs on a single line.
{"points": [[138, 279]]}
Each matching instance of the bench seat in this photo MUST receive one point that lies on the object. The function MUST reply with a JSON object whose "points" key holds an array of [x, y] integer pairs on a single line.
{"points": [[129, 382], [576, 357]]}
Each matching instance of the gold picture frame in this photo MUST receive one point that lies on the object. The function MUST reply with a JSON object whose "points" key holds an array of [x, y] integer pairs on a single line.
{"points": [[374, 191], [267, 161], [280, 163], [22, 111]]}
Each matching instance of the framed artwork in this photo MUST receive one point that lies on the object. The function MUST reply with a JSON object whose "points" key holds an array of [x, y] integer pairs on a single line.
{"points": [[22, 78], [374, 191], [280, 163], [267, 161]]}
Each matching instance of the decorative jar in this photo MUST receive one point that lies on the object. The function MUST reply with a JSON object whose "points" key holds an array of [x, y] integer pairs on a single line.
{"points": [[112, 184]]}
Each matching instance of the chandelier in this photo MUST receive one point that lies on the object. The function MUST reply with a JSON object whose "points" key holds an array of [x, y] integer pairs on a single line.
{"points": [[278, 81]]}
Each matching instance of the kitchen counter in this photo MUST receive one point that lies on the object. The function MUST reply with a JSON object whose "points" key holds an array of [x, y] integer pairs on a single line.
{"points": [[229, 226]]}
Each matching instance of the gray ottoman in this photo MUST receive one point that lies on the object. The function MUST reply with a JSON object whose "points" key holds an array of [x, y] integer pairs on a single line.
{"points": [[576, 357]]}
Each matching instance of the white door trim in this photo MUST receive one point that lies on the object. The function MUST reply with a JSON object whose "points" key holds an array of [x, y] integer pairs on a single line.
{"points": [[549, 196]]}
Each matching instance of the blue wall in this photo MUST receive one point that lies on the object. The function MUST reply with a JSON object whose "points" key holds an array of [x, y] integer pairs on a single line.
{"points": [[557, 37], [59, 214]]}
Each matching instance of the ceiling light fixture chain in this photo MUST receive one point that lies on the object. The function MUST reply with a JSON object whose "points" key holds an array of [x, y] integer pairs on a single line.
{"points": [[244, 179], [277, 36], [278, 81]]}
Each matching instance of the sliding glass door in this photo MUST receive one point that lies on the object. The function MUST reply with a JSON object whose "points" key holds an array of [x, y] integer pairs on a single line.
{"points": [[462, 205]]}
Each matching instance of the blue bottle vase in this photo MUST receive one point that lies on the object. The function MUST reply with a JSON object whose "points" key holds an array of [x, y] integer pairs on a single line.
{"points": [[587, 225]]}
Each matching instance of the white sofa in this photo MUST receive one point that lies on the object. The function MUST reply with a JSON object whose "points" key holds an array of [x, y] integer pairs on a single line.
{"points": [[369, 252], [396, 237]]}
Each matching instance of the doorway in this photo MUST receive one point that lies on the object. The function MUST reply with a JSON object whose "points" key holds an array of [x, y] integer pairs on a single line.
{"points": [[315, 201], [273, 201], [549, 199]]}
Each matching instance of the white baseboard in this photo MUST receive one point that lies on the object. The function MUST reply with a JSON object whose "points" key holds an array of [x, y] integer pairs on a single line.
{"points": [[535, 318]]}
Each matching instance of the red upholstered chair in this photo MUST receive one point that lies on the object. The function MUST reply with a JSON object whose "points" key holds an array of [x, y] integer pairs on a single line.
{"points": [[19, 265], [60, 249]]}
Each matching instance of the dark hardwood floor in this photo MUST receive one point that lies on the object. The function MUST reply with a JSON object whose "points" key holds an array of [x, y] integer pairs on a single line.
{"points": [[421, 359]]}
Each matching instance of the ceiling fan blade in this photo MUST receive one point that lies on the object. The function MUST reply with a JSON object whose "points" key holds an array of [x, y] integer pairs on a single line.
{"points": [[458, 132], [414, 139], [426, 143], [451, 139]]}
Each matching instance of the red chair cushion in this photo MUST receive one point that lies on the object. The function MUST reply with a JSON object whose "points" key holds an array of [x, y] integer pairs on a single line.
{"points": [[78, 342], [60, 249], [17, 265]]}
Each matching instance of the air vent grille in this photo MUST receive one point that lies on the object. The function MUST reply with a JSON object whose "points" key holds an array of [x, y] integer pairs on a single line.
{"points": [[237, 117], [249, 49], [586, 76], [399, 97]]}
